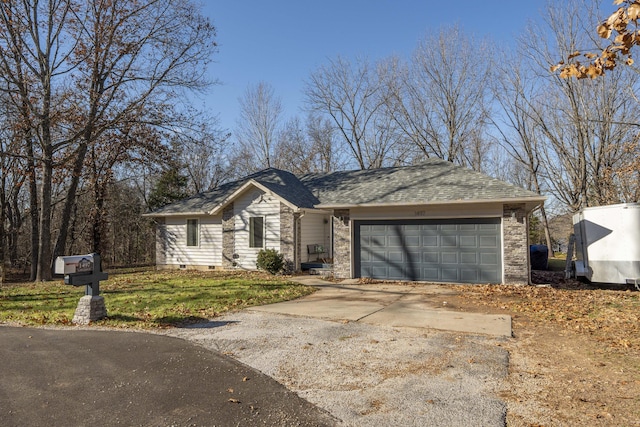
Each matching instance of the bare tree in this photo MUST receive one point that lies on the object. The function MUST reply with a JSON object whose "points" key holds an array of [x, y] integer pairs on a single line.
{"points": [[78, 70], [258, 125], [586, 124], [515, 90], [322, 135], [33, 57], [353, 96], [201, 151], [294, 151], [306, 147], [204, 162], [441, 100]]}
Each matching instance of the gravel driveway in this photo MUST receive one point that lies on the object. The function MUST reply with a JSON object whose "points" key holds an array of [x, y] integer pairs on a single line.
{"points": [[369, 375]]}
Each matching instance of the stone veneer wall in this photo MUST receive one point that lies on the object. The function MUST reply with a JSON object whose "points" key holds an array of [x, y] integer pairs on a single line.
{"points": [[287, 236], [515, 245], [228, 239], [341, 244]]}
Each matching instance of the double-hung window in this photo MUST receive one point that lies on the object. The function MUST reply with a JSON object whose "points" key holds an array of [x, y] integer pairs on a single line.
{"points": [[256, 232], [192, 232]]}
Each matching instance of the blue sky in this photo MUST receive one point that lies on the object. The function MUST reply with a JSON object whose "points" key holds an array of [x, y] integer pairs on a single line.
{"points": [[282, 41]]}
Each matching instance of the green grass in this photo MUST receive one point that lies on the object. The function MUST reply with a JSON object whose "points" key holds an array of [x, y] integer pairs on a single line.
{"points": [[147, 299], [557, 264]]}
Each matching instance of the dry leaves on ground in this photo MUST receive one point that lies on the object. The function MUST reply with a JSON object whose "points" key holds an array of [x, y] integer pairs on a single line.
{"points": [[607, 315]]}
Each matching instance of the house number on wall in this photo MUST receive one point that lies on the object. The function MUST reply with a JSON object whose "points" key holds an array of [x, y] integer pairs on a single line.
{"points": [[420, 213]]}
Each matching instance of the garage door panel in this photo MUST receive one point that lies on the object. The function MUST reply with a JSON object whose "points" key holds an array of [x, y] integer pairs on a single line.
{"points": [[366, 270], [448, 241], [395, 256], [413, 256], [489, 227], [432, 274], [489, 242], [430, 241], [469, 258], [466, 251], [395, 271], [379, 271], [412, 241], [429, 229], [488, 258], [486, 276], [377, 241], [449, 257], [467, 227], [394, 241], [449, 274], [431, 257], [469, 275], [468, 241]]}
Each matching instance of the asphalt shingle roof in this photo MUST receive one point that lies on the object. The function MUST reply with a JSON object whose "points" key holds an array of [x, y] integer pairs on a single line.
{"points": [[433, 181], [280, 182], [287, 186]]}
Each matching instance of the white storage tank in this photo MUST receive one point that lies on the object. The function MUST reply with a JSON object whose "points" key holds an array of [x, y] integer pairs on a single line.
{"points": [[608, 243]]}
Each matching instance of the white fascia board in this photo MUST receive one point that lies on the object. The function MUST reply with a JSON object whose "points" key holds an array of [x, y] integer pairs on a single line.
{"points": [[317, 211], [167, 214], [531, 202]]}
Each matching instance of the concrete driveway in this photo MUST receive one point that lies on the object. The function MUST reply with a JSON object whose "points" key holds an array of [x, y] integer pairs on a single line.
{"points": [[387, 304]]}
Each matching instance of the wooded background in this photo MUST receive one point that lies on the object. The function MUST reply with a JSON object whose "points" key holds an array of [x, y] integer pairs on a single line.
{"points": [[98, 127]]}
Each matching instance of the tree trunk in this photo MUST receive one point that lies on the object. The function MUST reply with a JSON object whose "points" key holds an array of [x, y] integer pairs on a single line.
{"points": [[98, 217], [70, 201], [3, 233], [34, 212], [43, 272], [545, 226]]}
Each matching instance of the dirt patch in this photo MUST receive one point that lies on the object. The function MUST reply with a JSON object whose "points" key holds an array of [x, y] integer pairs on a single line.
{"points": [[575, 356]]}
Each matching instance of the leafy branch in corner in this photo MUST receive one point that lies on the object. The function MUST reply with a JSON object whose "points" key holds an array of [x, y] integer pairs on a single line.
{"points": [[623, 25]]}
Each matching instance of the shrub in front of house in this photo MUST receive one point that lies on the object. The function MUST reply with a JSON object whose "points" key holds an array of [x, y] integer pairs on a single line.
{"points": [[270, 260]]}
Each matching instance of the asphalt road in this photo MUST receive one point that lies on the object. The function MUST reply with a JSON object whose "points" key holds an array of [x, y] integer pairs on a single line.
{"points": [[70, 377]]}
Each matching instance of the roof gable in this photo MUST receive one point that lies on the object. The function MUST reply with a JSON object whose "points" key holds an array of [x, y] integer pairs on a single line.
{"points": [[281, 183]]}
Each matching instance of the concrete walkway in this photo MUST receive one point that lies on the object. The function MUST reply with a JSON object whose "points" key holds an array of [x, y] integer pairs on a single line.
{"points": [[386, 304]]}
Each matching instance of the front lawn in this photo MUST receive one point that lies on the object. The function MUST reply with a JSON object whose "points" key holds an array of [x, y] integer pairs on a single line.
{"points": [[148, 299]]}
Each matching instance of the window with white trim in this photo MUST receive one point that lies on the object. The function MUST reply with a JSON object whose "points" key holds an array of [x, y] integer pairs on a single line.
{"points": [[193, 232], [256, 232]]}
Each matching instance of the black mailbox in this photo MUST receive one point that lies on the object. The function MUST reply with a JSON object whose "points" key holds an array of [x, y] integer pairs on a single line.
{"points": [[82, 270]]}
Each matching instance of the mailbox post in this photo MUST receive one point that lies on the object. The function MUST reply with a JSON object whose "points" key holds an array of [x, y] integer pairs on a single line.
{"points": [[84, 270]]}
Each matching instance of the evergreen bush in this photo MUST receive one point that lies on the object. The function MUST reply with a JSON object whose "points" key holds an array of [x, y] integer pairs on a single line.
{"points": [[270, 260]]}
